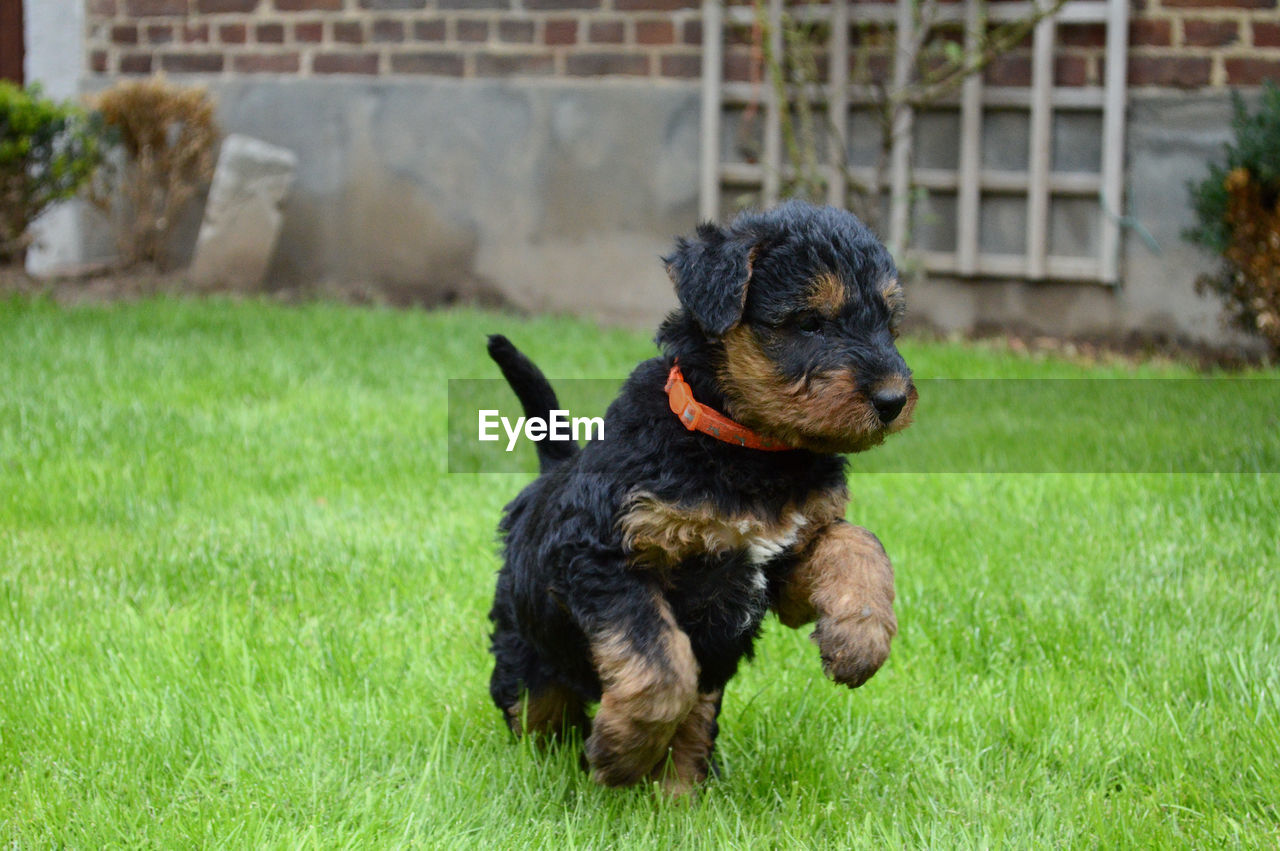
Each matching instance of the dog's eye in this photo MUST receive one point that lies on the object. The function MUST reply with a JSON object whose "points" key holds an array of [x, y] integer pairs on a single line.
{"points": [[809, 323]]}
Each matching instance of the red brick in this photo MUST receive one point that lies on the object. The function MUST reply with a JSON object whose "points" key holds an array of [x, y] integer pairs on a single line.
{"points": [[387, 30], [389, 5], [266, 63], [549, 5], [692, 33], [269, 33], [124, 34], [1218, 4], [1266, 34], [215, 7], [683, 65], [434, 63], [428, 30], [472, 30], [516, 32], [606, 32], [1070, 71], [514, 64], [1252, 72], [879, 67], [102, 8], [1146, 32], [473, 5], [233, 33], [345, 63], [195, 33], [1009, 70], [348, 32], [1184, 72], [145, 8], [1082, 35], [191, 63], [560, 32], [654, 5], [309, 32], [308, 5], [98, 62], [135, 63], [158, 34], [607, 64], [741, 67], [930, 64], [745, 36], [1198, 33], [655, 32]]}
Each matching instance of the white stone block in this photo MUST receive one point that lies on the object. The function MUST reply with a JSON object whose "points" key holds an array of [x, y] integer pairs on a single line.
{"points": [[242, 218]]}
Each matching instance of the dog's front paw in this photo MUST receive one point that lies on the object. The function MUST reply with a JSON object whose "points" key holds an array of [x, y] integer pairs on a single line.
{"points": [[854, 648]]}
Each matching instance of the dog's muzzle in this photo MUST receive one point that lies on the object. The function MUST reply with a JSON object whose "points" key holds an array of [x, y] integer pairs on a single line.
{"points": [[888, 403]]}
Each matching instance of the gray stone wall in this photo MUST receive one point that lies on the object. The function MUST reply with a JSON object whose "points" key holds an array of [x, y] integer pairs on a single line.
{"points": [[556, 196], [561, 196]]}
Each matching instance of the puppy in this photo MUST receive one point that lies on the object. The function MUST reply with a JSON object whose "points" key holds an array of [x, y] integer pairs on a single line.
{"points": [[637, 570]]}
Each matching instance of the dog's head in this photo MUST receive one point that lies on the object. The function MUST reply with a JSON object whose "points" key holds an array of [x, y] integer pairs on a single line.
{"points": [[798, 309]]}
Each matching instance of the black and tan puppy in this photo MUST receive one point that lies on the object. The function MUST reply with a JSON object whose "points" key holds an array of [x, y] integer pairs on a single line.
{"points": [[638, 569]]}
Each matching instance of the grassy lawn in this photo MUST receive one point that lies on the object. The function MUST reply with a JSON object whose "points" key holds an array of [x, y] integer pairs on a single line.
{"points": [[242, 604]]}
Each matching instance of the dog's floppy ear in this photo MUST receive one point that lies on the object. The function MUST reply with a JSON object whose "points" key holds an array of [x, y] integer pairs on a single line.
{"points": [[710, 274]]}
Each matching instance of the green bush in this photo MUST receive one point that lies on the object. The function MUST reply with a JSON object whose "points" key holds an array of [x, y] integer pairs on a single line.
{"points": [[47, 152], [1237, 208]]}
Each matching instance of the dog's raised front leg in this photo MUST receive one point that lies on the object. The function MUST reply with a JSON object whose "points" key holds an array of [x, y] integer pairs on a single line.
{"points": [[844, 580], [649, 680]]}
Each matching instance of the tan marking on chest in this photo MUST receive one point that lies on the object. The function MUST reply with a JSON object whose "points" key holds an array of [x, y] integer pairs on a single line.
{"points": [[657, 533]]}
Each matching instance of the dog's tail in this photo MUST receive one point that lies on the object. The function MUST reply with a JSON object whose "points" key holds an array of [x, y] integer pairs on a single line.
{"points": [[535, 394]]}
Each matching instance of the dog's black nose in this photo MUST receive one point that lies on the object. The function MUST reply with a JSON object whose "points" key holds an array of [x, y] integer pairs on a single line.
{"points": [[888, 404]]}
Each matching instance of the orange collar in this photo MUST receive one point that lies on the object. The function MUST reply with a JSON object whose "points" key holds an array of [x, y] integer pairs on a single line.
{"points": [[698, 417]]}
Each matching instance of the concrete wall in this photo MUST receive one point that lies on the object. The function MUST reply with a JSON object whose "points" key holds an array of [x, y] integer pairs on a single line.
{"points": [[559, 196]]}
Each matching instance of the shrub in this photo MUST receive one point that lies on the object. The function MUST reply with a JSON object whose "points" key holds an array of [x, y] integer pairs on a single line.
{"points": [[47, 152], [165, 156], [1238, 211]]}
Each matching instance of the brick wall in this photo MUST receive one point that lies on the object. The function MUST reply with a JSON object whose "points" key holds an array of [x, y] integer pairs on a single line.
{"points": [[1204, 43], [1182, 44], [455, 38]]}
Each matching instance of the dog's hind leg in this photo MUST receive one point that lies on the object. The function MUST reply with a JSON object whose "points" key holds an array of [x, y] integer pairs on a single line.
{"points": [[844, 580], [550, 711], [649, 680], [530, 699]]}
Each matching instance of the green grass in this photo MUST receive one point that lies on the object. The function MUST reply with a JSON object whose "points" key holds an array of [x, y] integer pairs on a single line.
{"points": [[241, 604]]}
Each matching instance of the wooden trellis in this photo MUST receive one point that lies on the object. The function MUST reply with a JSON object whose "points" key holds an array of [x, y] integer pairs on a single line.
{"points": [[1039, 182]]}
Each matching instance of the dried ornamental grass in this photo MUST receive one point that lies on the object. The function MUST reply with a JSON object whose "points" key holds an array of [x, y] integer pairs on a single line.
{"points": [[167, 140]]}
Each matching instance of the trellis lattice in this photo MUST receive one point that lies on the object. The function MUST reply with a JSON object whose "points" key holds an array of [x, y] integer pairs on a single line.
{"points": [[973, 178]]}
